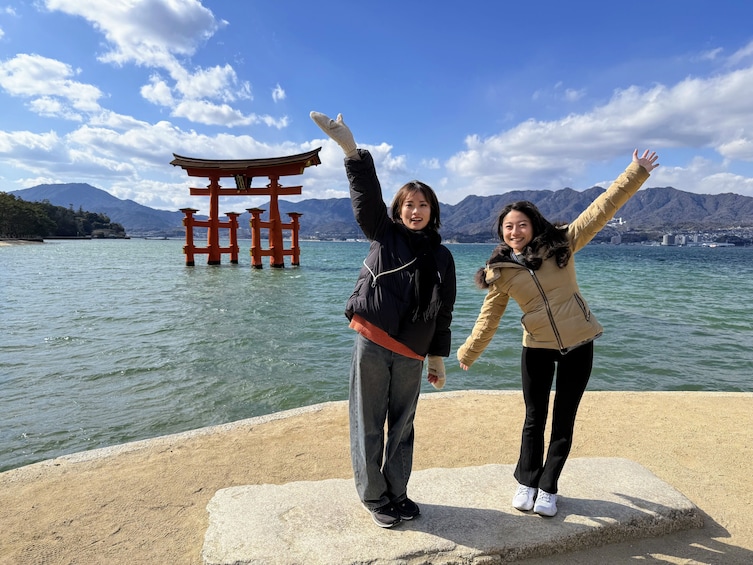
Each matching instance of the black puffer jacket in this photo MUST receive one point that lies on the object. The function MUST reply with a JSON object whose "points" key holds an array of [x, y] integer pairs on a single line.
{"points": [[385, 291]]}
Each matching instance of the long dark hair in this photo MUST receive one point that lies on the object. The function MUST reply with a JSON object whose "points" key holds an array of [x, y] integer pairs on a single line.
{"points": [[406, 190], [548, 239]]}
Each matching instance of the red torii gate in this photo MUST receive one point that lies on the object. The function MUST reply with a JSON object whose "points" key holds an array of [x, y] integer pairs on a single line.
{"points": [[243, 171]]}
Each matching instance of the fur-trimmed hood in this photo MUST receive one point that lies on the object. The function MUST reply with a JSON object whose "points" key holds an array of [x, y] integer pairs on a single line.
{"points": [[486, 275]]}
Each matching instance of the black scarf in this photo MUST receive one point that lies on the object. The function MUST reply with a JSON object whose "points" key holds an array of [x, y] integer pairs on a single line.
{"points": [[426, 278]]}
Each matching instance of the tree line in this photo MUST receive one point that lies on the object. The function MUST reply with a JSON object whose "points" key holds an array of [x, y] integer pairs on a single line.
{"points": [[32, 220]]}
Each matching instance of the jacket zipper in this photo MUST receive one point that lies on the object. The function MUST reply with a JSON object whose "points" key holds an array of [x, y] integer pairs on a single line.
{"points": [[375, 277], [548, 310]]}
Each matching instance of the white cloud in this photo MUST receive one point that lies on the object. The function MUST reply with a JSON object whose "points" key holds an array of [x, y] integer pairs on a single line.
{"points": [[34, 76], [711, 55], [725, 182], [157, 92], [702, 176], [278, 93], [432, 164], [130, 158], [34, 181], [204, 112], [279, 123], [145, 32], [155, 194], [116, 121], [159, 34], [52, 107], [572, 95], [697, 114], [25, 144], [558, 93], [741, 55], [215, 82], [738, 149]]}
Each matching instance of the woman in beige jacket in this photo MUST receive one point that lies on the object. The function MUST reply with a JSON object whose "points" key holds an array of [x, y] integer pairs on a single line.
{"points": [[533, 265]]}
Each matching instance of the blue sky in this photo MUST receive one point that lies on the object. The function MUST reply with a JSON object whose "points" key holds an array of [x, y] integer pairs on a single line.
{"points": [[473, 98]]}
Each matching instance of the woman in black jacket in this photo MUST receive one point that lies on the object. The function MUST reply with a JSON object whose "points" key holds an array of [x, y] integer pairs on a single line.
{"points": [[401, 308]]}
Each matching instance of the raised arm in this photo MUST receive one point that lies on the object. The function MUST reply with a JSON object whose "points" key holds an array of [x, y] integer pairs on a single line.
{"points": [[366, 198], [600, 211]]}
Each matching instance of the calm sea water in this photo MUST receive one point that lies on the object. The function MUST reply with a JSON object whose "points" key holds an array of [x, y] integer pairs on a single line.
{"points": [[104, 342]]}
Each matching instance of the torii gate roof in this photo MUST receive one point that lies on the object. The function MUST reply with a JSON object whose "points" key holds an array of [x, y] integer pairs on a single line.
{"points": [[273, 166]]}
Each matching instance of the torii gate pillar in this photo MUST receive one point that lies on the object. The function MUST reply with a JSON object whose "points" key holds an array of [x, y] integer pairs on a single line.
{"points": [[275, 251]]}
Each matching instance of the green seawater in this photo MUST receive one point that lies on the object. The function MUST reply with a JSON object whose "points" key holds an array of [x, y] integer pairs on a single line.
{"points": [[105, 342]]}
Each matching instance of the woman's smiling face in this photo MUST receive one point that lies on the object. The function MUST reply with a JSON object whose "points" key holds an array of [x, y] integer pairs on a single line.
{"points": [[415, 211], [517, 230]]}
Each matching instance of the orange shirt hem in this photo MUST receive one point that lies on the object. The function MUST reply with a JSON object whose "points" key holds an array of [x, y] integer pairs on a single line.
{"points": [[381, 337]]}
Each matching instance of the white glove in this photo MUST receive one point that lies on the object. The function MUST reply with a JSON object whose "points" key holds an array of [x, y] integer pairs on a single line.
{"points": [[436, 367], [337, 130]]}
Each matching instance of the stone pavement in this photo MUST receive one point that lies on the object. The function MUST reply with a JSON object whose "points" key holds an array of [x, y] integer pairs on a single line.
{"points": [[466, 517]]}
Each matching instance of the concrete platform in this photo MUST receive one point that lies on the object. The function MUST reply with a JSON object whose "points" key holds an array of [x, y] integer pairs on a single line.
{"points": [[466, 517]]}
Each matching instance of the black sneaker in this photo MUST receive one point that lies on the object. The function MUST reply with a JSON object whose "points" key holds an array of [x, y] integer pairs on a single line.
{"points": [[385, 516], [407, 509]]}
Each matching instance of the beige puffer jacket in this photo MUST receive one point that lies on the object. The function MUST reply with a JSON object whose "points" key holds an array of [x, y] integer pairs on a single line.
{"points": [[555, 315]]}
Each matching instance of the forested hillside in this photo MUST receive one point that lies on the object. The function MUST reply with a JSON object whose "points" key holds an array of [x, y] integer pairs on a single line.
{"points": [[20, 219]]}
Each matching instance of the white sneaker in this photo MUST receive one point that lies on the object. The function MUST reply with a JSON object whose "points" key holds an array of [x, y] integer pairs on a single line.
{"points": [[523, 499], [546, 504]]}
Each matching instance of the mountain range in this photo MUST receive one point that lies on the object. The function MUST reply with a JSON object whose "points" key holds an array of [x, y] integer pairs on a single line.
{"points": [[472, 219]]}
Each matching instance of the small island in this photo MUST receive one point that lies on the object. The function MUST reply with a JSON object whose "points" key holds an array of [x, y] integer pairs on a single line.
{"points": [[36, 221]]}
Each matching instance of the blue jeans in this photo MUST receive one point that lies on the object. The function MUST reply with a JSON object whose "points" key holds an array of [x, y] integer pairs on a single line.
{"points": [[384, 386], [538, 368]]}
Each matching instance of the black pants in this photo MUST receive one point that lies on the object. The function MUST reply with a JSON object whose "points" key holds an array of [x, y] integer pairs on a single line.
{"points": [[537, 369]]}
